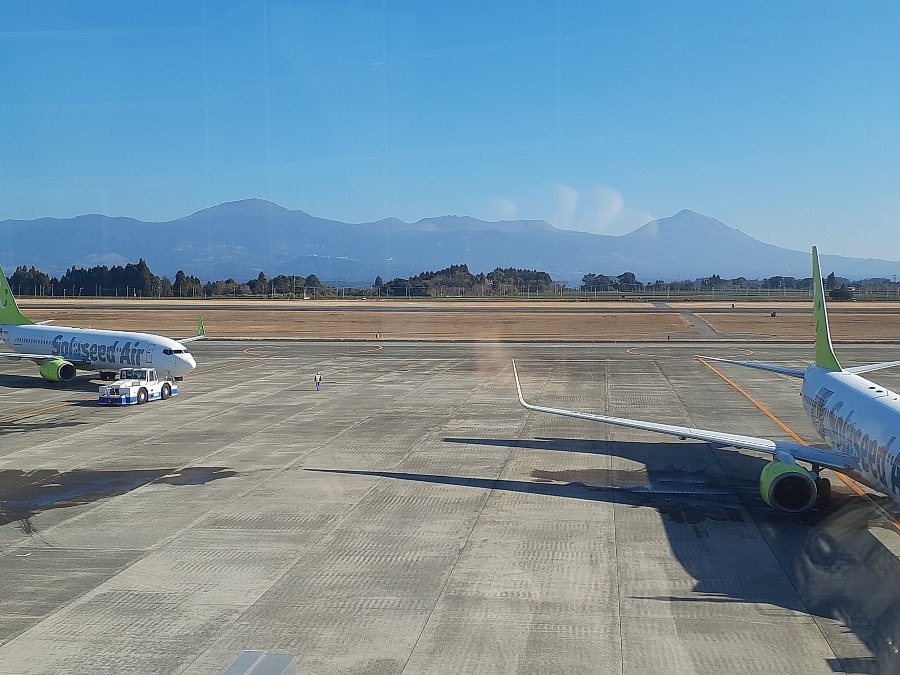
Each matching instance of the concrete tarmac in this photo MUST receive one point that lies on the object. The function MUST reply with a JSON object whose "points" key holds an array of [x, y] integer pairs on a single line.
{"points": [[412, 517]]}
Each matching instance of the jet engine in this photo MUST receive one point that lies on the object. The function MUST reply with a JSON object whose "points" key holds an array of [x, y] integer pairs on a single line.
{"points": [[58, 370], [787, 487]]}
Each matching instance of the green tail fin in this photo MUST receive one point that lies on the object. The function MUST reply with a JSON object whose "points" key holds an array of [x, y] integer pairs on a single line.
{"points": [[9, 310], [825, 357]]}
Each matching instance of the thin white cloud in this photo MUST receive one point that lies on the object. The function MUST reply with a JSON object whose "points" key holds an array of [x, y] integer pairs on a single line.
{"points": [[596, 209], [601, 206], [502, 208], [564, 205]]}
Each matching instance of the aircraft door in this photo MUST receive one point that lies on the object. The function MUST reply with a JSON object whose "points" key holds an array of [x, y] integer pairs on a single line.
{"points": [[148, 357]]}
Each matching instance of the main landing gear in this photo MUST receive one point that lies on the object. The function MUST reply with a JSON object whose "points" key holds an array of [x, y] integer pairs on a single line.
{"points": [[823, 487]]}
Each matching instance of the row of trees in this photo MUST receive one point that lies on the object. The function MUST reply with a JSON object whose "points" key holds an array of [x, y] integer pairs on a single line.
{"points": [[136, 280], [283, 285], [458, 281], [837, 287], [131, 279], [628, 282]]}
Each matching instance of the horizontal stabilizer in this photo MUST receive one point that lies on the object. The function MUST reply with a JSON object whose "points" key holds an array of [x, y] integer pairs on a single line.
{"points": [[856, 370], [793, 372]]}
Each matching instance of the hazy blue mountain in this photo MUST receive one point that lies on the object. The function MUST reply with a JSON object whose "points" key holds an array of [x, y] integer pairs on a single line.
{"points": [[240, 239], [689, 245]]}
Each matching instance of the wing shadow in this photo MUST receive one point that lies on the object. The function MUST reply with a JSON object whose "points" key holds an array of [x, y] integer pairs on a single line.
{"points": [[838, 567], [24, 494], [82, 383]]}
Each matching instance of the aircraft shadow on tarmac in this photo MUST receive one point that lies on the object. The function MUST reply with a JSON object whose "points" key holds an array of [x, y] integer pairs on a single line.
{"points": [[838, 568], [24, 494], [24, 426], [79, 384]]}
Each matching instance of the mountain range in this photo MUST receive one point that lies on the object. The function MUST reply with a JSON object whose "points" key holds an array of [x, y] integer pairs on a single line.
{"points": [[240, 239]]}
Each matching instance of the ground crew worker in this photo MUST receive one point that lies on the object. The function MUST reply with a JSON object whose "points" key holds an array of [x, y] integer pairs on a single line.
{"points": [[318, 380]]}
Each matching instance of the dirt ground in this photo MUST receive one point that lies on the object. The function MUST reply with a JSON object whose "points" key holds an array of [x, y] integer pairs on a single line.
{"points": [[477, 321], [845, 325], [482, 324]]}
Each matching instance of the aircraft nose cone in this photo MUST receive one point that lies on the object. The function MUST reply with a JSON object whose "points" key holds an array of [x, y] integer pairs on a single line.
{"points": [[186, 363]]}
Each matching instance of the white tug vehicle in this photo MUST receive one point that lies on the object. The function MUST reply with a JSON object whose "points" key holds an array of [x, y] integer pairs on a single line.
{"points": [[137, 385]]}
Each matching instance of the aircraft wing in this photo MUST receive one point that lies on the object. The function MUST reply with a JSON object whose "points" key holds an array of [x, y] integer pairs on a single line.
{"points": [[201, 332], [786, 452], [793, 372], [43, 358]]}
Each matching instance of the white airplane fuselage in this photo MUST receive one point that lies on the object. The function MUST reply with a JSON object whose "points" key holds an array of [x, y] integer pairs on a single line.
{"points": [[103, 350], [859, 418]]}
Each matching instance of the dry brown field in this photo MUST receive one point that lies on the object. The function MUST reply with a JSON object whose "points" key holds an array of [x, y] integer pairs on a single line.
{"points": [[845, 325], [477, 321]]}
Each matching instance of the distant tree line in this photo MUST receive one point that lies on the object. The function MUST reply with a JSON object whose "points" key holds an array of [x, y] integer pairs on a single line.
{"points": [[628, 282], [838, 288], [281, 285], [132, 279], [136, 280], [458, 281]]}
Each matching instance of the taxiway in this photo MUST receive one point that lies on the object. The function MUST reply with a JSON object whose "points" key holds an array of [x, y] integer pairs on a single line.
{"points": [[412, 517]]}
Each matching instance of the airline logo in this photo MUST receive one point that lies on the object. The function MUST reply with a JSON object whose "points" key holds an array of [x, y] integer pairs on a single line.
{"points": [[847, 436], [129, 354]]}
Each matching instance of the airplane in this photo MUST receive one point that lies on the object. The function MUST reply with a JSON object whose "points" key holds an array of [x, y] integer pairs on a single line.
{"points": [[61, 350], [858, 418]]}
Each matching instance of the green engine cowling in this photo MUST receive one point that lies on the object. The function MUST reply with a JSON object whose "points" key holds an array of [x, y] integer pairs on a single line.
{"points": [[787, 487], [58, 370]]}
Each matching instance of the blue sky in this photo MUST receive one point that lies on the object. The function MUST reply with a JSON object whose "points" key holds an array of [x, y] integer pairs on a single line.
{"points": [[781, 119]]}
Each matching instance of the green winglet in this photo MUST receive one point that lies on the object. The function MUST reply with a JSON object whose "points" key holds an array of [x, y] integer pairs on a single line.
{"points": [[201, 331], [825, 357], [9, 310]]}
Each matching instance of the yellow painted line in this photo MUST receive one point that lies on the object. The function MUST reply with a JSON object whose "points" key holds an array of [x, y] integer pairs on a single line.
{"points": [[756, 403], [844, 479]]}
